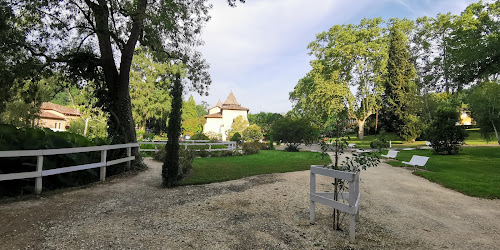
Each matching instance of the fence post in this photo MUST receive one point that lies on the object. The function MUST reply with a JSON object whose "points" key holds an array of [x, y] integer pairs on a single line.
{"points": [[103, 168], [185, 146], [352, 202], [39, 168], [156, 148], [312, 205], [209, 147], [129, 153]]}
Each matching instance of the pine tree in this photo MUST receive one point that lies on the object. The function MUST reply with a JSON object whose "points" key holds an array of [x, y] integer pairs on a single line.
{"points": [[400, 87]]}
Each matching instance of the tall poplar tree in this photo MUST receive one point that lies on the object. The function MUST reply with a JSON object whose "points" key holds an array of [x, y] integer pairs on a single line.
{"points": [[400, 88]]}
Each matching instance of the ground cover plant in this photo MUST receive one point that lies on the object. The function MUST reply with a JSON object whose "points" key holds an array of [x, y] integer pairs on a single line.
{"points": [[208, 170], [474, 171]]}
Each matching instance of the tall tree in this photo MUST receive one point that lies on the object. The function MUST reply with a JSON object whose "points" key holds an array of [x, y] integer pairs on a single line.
{"points": [[149, 83], [191, 121], [400, 88], [95, 40], [475, 44], [170, 168], [348, 56], [484, 103]]}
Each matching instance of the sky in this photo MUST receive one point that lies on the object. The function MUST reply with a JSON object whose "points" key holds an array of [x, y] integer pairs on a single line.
{"points": [[259, 51]]}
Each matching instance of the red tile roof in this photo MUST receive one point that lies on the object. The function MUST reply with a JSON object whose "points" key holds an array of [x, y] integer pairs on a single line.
{"points": [[60, 109], [234, 107], [48, 115], [214, 115]]}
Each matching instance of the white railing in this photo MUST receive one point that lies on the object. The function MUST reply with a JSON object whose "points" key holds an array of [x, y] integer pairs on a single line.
{"points": [[230, 145], [40, 153], [352, 197]]}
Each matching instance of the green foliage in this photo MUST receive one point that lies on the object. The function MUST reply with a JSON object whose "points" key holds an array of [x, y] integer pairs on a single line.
{"points": [[485, 106], [446, 137], [346, 55], [186, 158], [95, 127], [293, 132], [400, 88], [149, 82], [199, 136], [252, 133], [170, 169], [239, 125], [208, 170], [251, 148], [236, 137], [264, 120], [474, 43], [12, 138]]}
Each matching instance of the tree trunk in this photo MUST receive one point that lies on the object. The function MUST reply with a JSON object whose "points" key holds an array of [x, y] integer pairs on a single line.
{"points": [[376, 122], [170, 169], [361, 129], [496, 132]]}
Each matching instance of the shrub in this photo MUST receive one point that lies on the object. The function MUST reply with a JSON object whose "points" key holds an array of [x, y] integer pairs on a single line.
{"points": [[147, 136], [446, 137], [378, 144], [293, 132], [199, 136], [252, 133], [236, 137], [12, 138], [251, 148], [186, 158]]}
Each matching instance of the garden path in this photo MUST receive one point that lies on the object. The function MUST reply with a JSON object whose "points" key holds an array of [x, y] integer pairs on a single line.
{"points": [[398, 211]]}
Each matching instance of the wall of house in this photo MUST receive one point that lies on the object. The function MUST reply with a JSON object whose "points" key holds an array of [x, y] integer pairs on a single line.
{"points": [[212, 125], [54, 124], [213, 110], [228, 117]]}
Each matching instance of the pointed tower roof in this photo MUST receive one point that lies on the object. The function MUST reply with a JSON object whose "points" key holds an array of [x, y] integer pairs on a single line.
{"points": [[231, 100], [219, 104]]}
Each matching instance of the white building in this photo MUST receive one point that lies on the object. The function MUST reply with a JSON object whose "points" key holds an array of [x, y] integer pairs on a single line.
{"points": [[220, 117]]}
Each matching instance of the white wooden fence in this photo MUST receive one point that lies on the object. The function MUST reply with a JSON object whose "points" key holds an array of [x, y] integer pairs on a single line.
{"points": [[39, 173], [230, 145], [352, 197]]}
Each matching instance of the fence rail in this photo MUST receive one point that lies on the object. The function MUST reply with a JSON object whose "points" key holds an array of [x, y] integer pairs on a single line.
{"points": [[230, 145], [39, 173]]}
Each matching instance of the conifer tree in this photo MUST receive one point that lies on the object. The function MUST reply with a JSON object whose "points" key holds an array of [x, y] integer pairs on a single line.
{"points": [[400, 87], [170, 167]]}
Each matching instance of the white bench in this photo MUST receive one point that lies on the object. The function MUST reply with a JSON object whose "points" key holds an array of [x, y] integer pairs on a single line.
{"points": [[417, 160], [391, 154]]}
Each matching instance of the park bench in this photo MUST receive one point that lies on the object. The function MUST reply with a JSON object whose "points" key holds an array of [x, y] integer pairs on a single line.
{"points": [[391, 154], [417, 160]]}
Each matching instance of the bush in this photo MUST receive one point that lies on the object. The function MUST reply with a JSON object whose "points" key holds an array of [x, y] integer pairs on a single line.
{"points": [[293, 132], [252, 133], [147, 136], [236, 137], [199, 136], [12, 138], [250, 148], [378, 144], [446, 137], [292, 148], [186, 158]]}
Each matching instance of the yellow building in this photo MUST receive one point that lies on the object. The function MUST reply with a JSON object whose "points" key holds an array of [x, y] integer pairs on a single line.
{"points": [[466, 119], [220, 118], [56, 117]]}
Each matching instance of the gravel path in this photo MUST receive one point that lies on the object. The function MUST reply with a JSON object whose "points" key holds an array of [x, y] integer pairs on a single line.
{"points": [[398, 211]]}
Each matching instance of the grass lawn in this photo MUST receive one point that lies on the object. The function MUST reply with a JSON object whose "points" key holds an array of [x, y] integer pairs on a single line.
{"points": [[474, 172], [217, 169], [473, 138]]}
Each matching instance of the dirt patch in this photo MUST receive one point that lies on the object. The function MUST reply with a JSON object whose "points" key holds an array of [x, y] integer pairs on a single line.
{"points": [[398, 211]]}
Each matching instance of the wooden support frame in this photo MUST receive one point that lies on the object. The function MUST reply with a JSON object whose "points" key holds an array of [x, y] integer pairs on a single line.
{"points": [[353, 197]]}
